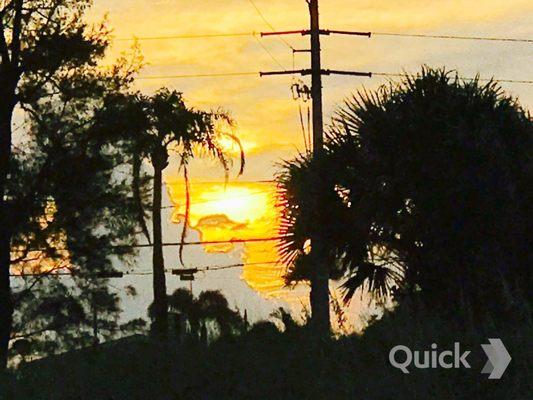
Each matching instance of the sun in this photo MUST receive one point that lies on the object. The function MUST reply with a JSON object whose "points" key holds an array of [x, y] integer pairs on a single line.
{"points": [[238, 211], [249, 206]]}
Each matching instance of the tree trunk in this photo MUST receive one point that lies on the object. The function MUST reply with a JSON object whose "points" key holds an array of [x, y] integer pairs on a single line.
{"points": [[6, 300], [319, 297], [160, 288]]}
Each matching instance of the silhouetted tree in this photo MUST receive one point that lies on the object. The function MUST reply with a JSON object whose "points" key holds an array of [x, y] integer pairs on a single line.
{"points": [[209, 307], [40, 41], [429, 195], [170, 127], [72, 210]]}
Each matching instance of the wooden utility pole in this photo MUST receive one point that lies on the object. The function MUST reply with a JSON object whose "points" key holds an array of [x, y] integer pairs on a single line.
{"points": [[316, 79], [320, 271], [320, 314]]}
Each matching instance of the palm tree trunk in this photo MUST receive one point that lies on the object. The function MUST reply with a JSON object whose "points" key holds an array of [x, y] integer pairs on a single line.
{"points": [[159, 282], [319, 296]]}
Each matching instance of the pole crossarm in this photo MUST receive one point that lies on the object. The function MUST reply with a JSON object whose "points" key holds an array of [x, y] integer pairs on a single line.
{"points": [[326, 32], [322, 72], [353, 73], [351, 33], [289, 72], [184, 271], [300, 32]]}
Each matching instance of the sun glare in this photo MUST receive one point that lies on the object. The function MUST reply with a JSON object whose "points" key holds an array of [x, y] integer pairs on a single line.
{"points": [[238, 211]]}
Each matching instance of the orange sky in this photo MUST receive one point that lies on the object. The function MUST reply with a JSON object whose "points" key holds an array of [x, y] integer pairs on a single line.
{"points": [[263, 107], [266, 115]]}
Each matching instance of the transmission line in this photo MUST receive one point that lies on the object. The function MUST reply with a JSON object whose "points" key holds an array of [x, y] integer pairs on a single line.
{"points": [[224, 182], [529, 82], [358, 33], [243, 196], [304, 72], [185, 36], [118, 274], [184, 76], [205, 242], [269, 53], [456, 37], [267, 22]]}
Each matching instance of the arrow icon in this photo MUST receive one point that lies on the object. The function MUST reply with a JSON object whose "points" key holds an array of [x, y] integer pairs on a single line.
{"points": [[498, 358]]}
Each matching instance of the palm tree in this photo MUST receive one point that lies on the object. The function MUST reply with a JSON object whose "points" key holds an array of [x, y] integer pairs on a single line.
{"points": [[209, 307], [168, 126], [427, 194]]}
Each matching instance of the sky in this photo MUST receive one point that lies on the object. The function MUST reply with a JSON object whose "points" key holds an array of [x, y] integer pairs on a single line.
{"points": [[267, 118]]}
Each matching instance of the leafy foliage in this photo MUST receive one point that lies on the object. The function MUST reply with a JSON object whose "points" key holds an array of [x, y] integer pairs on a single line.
{"points": [[164, 126], [429, 193], [70, 206], [210, 307]]}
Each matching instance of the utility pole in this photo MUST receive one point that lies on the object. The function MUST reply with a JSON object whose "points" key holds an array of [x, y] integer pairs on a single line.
{"points": [[320, 272], [316, 79], [319, 299]]}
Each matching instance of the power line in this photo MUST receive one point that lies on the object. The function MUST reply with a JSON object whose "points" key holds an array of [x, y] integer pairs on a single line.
{"points": [[214, 75], [224, 182], [529, 82], [203, 36], [206, 242], [397, 34], [143, 273], [456, 37], [272, 28], [269, 53], [186, 36], [184, 76], [218, 268], [243, 196], [174, 244]]}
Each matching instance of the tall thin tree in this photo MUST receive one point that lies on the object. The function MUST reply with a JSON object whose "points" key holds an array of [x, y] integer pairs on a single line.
{"points": [[172, 128]]}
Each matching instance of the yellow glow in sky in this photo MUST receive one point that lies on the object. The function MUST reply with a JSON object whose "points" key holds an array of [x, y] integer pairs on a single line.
{"points": [[266, 116], [237, 211]]}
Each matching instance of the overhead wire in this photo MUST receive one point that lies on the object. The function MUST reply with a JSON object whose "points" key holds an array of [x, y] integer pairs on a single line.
{"points": [[210, 75], [256, 193], [224, 182], [519, 81], [269, 53], [206, 242], [267, 22], [370, 33], [529, 82], [456, 37], [147, 273], [184, 36]]}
